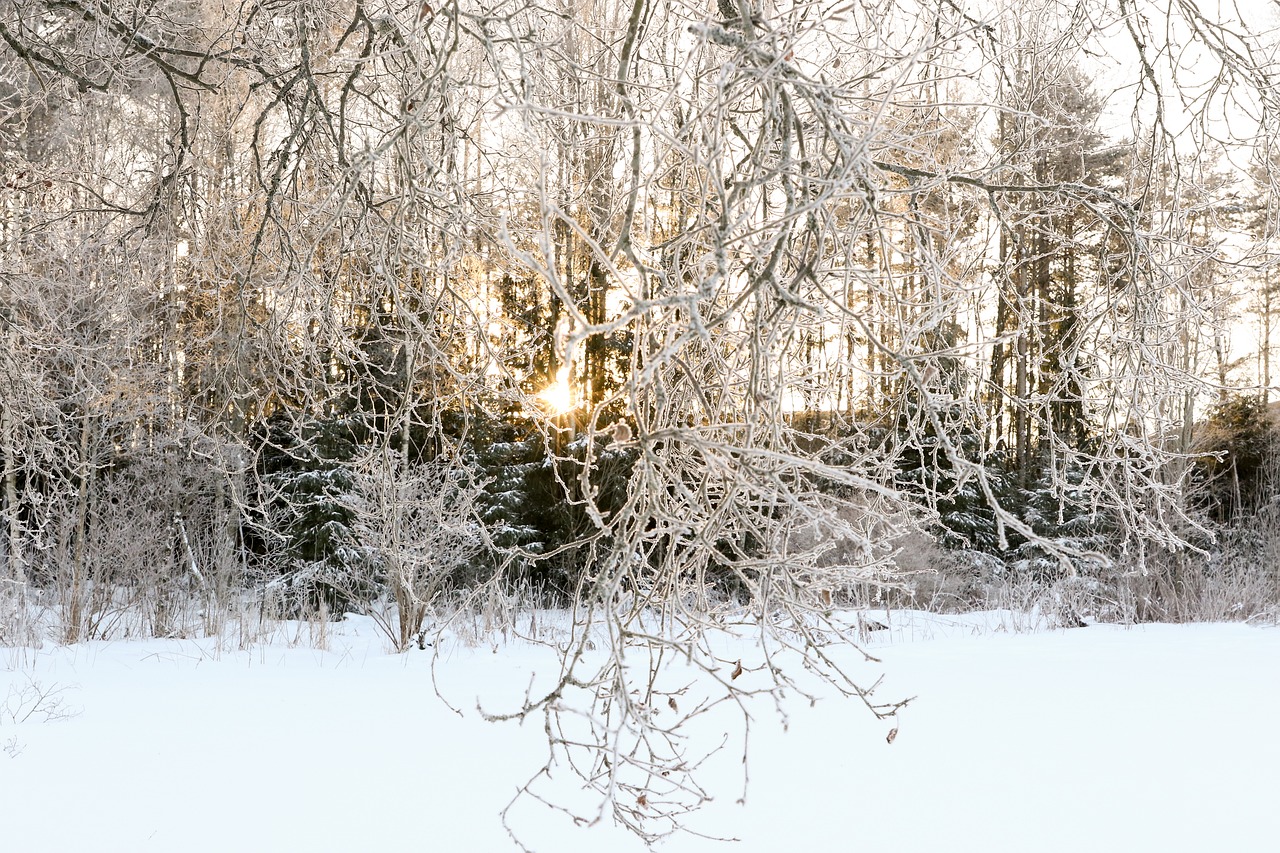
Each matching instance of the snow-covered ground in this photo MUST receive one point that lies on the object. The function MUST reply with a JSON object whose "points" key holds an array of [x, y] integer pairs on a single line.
{"points": [[1153, 738]]}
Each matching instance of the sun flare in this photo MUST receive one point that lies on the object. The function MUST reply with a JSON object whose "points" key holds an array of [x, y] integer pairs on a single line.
{"points": [[558, 396]]}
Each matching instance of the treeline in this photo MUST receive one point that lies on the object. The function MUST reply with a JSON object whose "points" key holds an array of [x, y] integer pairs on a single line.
{"points": [[321, 306]]}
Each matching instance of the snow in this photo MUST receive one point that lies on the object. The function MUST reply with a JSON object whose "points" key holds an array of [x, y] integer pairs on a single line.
{"points": [[1105, 738]]}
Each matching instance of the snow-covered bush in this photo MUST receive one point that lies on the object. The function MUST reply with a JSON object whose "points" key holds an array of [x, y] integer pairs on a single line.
{"points": [[417, 526]]}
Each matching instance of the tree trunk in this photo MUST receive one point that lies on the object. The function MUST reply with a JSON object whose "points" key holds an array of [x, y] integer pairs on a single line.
{"points": [[14, 546], [79, 583]]}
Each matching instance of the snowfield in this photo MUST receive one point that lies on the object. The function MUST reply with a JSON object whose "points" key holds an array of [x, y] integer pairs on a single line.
{"points": [[1151, 738]]}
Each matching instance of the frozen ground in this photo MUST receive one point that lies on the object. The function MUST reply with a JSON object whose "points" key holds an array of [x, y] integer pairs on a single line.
{"points": [[1155, 738]]}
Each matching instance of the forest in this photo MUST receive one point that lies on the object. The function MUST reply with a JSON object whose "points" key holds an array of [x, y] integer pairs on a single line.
{"points": [[669, 314]]}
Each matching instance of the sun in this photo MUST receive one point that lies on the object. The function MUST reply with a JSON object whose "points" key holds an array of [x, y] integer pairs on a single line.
{"points": [[558, 396]]}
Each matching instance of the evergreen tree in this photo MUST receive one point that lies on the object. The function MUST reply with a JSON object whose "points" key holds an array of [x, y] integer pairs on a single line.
{"points": [[304, 535], [1238, 449]]}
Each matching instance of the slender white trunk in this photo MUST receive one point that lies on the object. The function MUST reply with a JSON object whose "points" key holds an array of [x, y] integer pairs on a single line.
{"points": [[17, 569]]}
